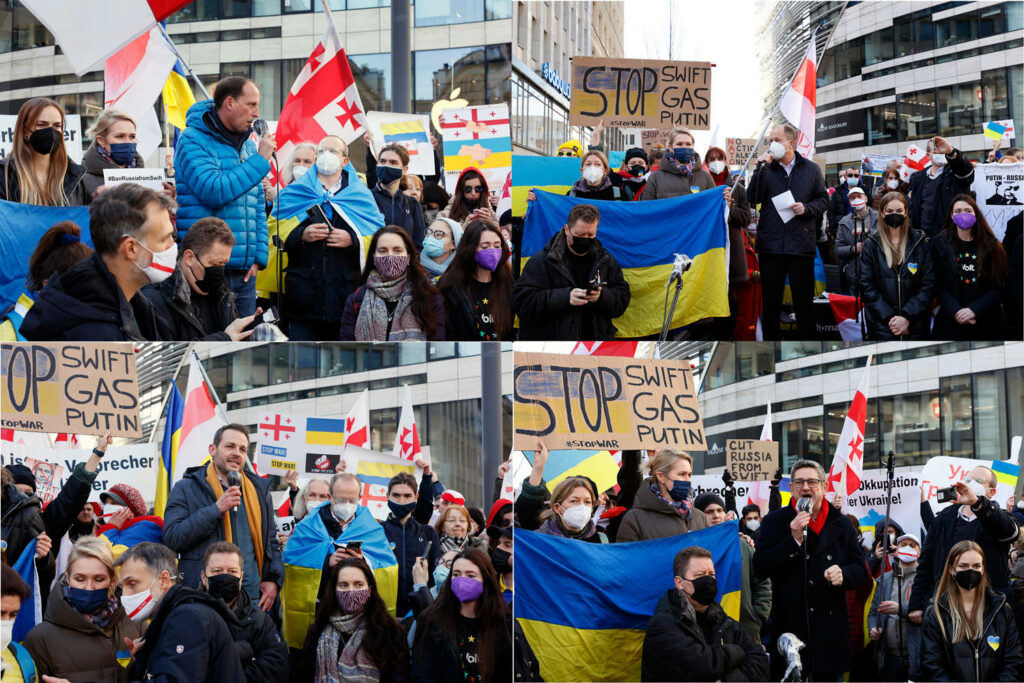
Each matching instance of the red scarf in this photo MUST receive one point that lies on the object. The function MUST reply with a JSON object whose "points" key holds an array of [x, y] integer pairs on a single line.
{"points": [[817, 523]]}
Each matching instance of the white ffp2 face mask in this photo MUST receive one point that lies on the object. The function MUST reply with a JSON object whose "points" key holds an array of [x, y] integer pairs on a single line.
{"points": [[6, 633], [777, 149], [938, 159], [592, 174], [328, 163], [577, 516], [298, 171], [716, 166]]}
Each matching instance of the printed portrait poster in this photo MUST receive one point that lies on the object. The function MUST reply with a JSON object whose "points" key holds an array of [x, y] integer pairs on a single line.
{"points": [[999, 189]]}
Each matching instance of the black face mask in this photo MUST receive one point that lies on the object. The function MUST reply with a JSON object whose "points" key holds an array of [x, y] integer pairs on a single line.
{"points": [[500, 559], [968, 579], [224, 586], [401, 510], [705, 588], [637, 170], [45, 140], [582, 245], [894, 220], [212, 280]]}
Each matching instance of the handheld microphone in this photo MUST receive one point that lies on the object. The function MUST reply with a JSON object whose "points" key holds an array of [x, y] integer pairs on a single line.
{"points": [[804, 505], [260, 127], [235, 479], [789, 647]]}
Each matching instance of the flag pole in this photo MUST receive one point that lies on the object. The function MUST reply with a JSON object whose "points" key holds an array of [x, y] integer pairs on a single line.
{"points": [[181, 59]]}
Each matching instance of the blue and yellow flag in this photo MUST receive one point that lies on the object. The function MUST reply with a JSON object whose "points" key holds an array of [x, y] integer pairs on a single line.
{"points": [[599, 466], [169, 449], [1006, 472], [584, 607], [643, 237], [322, 431], [177, 96], [551, 174], [304, 556]]}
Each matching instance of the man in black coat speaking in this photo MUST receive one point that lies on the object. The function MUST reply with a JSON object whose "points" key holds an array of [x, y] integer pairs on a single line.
{"points": [[810, 575]]}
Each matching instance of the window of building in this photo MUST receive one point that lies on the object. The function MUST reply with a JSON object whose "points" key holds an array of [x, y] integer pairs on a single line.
{"points": [[910, 428], [497, 9], [799, 439], [358, 4], [6, 26], [236, 8], [200, 10], [850, 59], [916, 115], [881, 123], [991, 20], [448, 12], [879, 47], [1015, 397], [298, 6], [410, 354], [957, 29], [249, 368], [956, 416], [791, 350], [1016, 95], [267, 77], [753, 359], [835, 417], [480, 73], [217, 369], [721, 371], [959, 109], [280, 363], [264, 8], [990, 407], [442, 350], [27, 31], [1014, 16], [372, 73], [995, 100]]}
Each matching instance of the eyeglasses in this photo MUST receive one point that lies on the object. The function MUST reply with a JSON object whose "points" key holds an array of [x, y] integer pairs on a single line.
{"points": [[810, 483], [439, 234], [472, 189]]}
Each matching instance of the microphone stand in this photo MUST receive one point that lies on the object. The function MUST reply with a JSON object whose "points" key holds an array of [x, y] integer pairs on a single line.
{"points": [[857, 246], [681, 265], [888, 505]]}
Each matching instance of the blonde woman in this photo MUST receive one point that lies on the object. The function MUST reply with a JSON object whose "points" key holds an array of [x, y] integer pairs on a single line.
{"points": [[663, 505], [571, 513], [113, 146], [38, 171], [597, 181], [82, 635], [969, 632], [453, 527], [896, 275], [679, 172]]}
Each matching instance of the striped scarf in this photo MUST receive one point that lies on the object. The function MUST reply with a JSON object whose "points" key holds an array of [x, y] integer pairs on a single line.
{"points": [[349, 663]]}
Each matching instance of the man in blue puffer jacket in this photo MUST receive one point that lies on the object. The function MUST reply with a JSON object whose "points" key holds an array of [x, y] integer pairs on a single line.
{"points": [[219, 170]]}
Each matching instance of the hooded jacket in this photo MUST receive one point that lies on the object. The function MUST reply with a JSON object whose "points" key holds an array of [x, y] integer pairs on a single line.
{"points": [[446, 212], [540, 296], [67, 645], [74, 186], [846, 245], [798, 236], [21, 521], [990, 322], [85, 303], [94, 164], [651, 517], [176, 320], [261, 651], [906, 290], [668, 181], [217, 178], [409, 542], [403, 211], [995, 657]]}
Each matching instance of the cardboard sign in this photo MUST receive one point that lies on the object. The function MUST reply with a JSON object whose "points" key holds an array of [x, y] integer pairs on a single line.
{"points": [[480, 137], [153, 178], [48, 478], [309, 445], [712, 483], [651, 137], [640, 93], [134, 464], [73, 388], [737, 150], [605, 403], [751, 460], [1000, 192], [72, 136], [285, 525], [868, 503], [412, 131]]}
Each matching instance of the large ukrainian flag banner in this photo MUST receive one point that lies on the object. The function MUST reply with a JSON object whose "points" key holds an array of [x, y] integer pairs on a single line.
{"points": [[169, 449], [551, 174], [584, 607], [304, 557], [643, 237]]}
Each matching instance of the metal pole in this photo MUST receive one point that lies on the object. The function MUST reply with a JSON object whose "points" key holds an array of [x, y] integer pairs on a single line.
{"points": [[401, 57], [490, 399], [183, 62]]}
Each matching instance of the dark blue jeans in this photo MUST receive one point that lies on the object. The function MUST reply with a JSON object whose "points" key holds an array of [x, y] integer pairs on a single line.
{"points": [[245, 292]]}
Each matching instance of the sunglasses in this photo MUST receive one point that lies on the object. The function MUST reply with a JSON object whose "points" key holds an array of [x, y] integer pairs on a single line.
{"points": [[565, 153], [472, 189]]}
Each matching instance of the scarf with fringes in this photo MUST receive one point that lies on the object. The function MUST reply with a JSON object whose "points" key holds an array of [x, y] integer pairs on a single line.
{"points": [[350, 663], [683, 507], [372, 320]]}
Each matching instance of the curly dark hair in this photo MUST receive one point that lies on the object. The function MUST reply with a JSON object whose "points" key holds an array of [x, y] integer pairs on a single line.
{"points": [[462, 272], [423, 292], [459, 209]]}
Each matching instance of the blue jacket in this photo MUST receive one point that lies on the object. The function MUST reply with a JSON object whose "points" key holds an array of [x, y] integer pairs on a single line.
{"points": [[216, 178], [410, 542], [192, 522]]}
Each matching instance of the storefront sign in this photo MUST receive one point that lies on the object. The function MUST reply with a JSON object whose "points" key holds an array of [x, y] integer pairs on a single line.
{"points": [[839, 125], [550, 74]]}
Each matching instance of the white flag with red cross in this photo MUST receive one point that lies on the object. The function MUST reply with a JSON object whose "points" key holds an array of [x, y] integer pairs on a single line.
{"points": [[848, 463], [357, 422], [916, 158], [407, 438]]}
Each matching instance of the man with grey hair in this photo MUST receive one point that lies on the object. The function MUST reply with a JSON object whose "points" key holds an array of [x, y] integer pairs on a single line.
{"points": [[188, 637], [812, 558]]}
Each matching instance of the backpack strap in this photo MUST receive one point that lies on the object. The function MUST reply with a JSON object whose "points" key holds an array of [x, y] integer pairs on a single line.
{"points": [[28, 667]]}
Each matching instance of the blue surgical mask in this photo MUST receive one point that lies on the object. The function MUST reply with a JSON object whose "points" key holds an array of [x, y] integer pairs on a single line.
{"points": [[122, 152], [680, 490], [86, 601], [852, 182], [441, 574], [683, 154], [388, 174], [433, 247]]}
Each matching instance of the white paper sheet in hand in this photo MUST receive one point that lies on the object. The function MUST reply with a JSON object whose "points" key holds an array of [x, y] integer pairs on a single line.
{"points": [[782, 203]]}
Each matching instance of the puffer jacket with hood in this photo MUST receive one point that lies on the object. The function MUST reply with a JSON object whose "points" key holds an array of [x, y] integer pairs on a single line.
{"points": [[221, 176], [996, 656], [74, 185], [651, 517], [906, 290], [94, 163]]}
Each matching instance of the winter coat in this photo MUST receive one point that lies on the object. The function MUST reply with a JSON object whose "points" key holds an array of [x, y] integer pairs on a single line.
{"points": [[189, 639], [94, 164], [995, 657], [403, 211], [350, 315], [807, 600], [261, 651], [67, 645], [319, 279], [216, 177], [883, 591], [172, 302], [668, 181], [998, 531], [676, 649], [755, 596], [987, 306], [409, 542], [74, 185], [435, 659], [651, 517], [21, 521], [799, 236], [846, 245], [308, 664], [460, 316], [906, 291], [614, 191], [192, 522], [839, 207], [541, 295], [85, 303], [955, 179]]}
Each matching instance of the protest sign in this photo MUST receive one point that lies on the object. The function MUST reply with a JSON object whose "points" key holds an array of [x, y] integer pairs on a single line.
{"points": [[374, 470], [992, 129], [605, 403], [750, 459], [478, 137], [712, 483], [285, 525], [134, 464], [868, 502], [72, 136], [737, 150], [873, 165], [640, 93], [48, 477], [943, 471], [153, 178], [651, 137], [999, 189], [288, 442], [74, 388], [412, 131]]}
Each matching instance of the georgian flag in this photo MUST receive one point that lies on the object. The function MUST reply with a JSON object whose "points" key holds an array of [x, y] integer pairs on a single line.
{"points": [[606, 348], [357, 422], [407, 439], [848, 463], [917, 157], [798, 102]]}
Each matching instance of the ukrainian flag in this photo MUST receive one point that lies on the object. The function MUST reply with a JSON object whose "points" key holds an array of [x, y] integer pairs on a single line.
{"points": [[584, 607], [380, 473], [177, 96], [325, 431], [400, 131], [551, 174], [994, 131], [643, 236], [169, 449], [1006, 472], [599, 466], [304, 556]]}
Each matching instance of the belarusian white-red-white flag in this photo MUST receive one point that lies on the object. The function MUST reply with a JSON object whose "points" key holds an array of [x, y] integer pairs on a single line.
{"points": [[798, 102], [89, 32], [357, 422], [407, 439], [324, 99], [65, 441], [766, 430], [199, 422], [505, 201], [848, 463], [37, 442], [606, 348]]}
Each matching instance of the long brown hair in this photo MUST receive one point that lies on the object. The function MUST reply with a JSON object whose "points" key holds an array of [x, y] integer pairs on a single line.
{"points": [[893, 255], [382, 631], [564, 490], [462, 272], [22, 154], [58, 249], [992, 262], [491, 613], [964, 625], [459, 210], [423, 292]]}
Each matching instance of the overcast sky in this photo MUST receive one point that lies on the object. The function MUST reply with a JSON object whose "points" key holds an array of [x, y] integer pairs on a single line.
{"points": [[716, 31]]}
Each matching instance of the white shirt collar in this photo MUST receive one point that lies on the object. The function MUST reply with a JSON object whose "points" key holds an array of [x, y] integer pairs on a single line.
{"points": [[960, 513]]}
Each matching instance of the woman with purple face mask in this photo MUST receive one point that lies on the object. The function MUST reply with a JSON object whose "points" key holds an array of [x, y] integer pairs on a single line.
{"points": [[477, 287], [395, 300], [352, 636], [970, 276]]}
